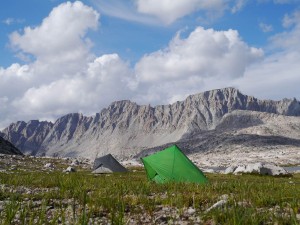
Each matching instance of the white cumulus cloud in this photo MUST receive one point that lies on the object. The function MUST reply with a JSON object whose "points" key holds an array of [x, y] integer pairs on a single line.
{"points": [[276, 77], [64, 76], [169, 11], [103, 82], [60, 37], [205, 52], [190, 62]]}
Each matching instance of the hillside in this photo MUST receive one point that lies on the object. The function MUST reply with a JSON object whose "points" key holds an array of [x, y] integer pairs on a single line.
{"points": [[242, 137], [125, 128], [8, 148]]}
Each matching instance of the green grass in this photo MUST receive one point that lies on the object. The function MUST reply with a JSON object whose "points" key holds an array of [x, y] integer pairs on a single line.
{"points": [[82, 197]]}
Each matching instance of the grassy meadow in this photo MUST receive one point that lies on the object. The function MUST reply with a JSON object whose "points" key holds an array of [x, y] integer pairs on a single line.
{"points": [[39, 197]]}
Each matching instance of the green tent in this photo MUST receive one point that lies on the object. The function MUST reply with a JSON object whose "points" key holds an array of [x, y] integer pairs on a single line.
{"points": [[171, 164]]}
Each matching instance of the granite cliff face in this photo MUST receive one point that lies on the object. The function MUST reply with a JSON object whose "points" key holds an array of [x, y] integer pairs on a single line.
{"points": [[125, 128], [27, 136]]}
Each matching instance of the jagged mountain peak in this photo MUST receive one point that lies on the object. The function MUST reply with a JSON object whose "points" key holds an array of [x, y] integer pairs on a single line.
{"points": [[116, 107], [228, 91], [121, 103], [70, 116]]}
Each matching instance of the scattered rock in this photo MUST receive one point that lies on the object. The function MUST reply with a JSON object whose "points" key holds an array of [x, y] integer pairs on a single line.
{"points": [[217, 205], [69, 170], [75, 163], [221, 203], [49, 165], [131, 162], [191, 211]]}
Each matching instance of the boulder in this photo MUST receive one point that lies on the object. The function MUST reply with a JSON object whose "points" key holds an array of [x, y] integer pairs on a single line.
{"points": [[208, 170], [257, 168], [230, 169]]}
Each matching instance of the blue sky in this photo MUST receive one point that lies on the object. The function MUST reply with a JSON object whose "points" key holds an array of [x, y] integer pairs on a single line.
{"points": [[78, 56]]}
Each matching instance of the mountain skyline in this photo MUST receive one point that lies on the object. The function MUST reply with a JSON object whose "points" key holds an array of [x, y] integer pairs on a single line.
{"points": [[78, 56], [125, 128]]}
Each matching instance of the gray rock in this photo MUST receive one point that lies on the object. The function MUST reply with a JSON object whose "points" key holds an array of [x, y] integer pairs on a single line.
{"points": [[230, 169], [218, 204], [69, 170], [208, 170], [261, 168], [49, 165], [191, 211], [75, 163], [223, 200]]}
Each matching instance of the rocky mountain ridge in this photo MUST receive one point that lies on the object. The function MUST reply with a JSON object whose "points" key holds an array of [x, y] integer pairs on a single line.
{"points": [[125, 128]]}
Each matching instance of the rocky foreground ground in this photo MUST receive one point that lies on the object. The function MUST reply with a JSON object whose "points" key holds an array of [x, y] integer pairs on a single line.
{"points": [[39, 189], [13, 163], [72, 208]]}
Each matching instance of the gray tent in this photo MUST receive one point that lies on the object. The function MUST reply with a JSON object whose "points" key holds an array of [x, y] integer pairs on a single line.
{"points": [[107, 164]]}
